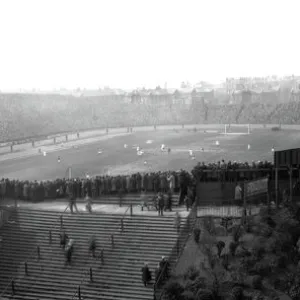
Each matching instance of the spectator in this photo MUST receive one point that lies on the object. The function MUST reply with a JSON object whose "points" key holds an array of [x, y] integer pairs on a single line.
{"points": [[63, 239], [160, 204], [88, 205], [177, 222], [164, 265], [146, 275], [69, 251], [238, 194], [92, 245]]}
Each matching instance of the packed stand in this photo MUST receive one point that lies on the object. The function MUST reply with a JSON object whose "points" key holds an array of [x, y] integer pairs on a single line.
{"points": [[30, 115], [96, 187], [136, 183]]}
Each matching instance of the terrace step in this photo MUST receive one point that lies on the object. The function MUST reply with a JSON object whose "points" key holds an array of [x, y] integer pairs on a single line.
{"points": [[145, 238]]}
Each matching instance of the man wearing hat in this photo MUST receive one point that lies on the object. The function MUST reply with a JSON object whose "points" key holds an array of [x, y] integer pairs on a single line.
{"points": [[146, 274]]}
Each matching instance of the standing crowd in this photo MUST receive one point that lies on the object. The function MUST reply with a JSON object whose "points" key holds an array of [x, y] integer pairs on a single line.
{"points": [[96, 187]]}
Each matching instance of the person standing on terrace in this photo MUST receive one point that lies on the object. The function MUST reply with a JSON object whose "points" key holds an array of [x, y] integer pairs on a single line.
{"points": [[146, 274], [160, 204], [72, 202], [88, 205], [238, 194]]}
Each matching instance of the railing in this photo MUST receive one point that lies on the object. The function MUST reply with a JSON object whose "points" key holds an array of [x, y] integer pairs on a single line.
{"points": [[86, 273], [177, 249], [33, 252], [223, 211]]}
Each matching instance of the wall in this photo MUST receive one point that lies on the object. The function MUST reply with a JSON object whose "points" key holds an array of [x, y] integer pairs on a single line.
{"points": [[212, 193]]}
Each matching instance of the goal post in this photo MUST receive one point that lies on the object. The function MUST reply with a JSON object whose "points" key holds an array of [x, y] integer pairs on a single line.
{"points": [[237, 129]]}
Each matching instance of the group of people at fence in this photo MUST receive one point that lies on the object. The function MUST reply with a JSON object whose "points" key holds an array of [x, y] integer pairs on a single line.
{"points": [[152, 182], [96, 187]]}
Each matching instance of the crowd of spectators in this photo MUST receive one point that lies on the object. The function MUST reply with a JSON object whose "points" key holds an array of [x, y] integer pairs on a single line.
{"points": [[97, 186], [135, 183], [28, 115]]}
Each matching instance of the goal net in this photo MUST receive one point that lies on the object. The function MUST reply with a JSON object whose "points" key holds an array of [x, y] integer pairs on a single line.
{"points": [[237, 129]]}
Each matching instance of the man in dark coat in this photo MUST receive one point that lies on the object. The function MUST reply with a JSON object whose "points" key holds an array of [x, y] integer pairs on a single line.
{"points": [[164, 266], [63, 239], [72, 202], [92, 246], [146, 274], [169, 201]]}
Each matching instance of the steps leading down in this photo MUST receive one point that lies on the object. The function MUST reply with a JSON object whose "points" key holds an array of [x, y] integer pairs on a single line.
{"points": [[48, 277], [145, 238]]}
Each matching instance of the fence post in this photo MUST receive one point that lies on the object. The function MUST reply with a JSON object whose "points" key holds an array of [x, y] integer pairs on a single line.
{"points": [[131, 213], [61, 221], [112, 241], [177, 246], [91, 275], [79, 293], [50, 236], [38, 252], [13, 287], [26, 269]]}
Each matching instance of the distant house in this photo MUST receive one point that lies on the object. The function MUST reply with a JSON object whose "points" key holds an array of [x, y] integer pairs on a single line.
{"points": [[241, 97], [183, 96], [202, 95], [271, 95], [136, 97], [160, 97]]}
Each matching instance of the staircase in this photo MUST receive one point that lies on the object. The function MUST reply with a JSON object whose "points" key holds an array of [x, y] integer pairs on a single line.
{"points": [[145, 239], [48, 277]]}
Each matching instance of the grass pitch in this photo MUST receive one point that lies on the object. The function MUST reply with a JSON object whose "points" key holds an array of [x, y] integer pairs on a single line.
{"points": [[115, 159]]}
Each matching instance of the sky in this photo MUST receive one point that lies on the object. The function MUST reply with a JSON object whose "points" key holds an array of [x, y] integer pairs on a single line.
{"points": [[139, 43]]}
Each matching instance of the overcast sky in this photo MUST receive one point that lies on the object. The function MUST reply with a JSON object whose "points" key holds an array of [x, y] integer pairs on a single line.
{"points": [[128, 44]]}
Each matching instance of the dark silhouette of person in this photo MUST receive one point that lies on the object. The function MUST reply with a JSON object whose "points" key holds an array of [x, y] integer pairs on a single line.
{"points": [[164, 265], [63, 239], [72, 202], [146, 274], [161, 204], [92, 246]]}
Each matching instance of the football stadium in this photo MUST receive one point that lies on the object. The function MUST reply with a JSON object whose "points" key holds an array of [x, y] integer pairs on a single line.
{"points": [[150, 209]]}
